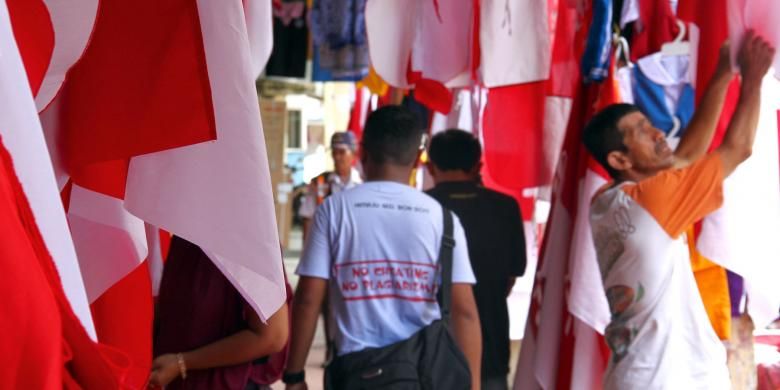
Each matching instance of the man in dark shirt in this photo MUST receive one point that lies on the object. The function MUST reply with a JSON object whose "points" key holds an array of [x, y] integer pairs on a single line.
{"points": [[494, 233]]}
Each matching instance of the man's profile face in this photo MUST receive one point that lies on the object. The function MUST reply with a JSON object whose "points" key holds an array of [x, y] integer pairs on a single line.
{"points": [[342, 159], [647, 147]]}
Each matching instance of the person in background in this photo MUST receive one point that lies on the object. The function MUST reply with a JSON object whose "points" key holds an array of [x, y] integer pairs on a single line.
{"points": [[343, 147], [207, 336], [496, 241], [372, 249]]}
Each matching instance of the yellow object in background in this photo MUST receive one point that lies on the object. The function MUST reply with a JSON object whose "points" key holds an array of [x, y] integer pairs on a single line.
{"points": [[374, 83]]}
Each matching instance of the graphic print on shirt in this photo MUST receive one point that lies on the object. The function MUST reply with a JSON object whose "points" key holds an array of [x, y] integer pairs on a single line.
{"points": [[619, 334], [610, 243], [404, 279]]}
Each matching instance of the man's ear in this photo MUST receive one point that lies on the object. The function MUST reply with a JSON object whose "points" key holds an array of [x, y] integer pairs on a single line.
{"points": [[432, 168], [619, 161]]}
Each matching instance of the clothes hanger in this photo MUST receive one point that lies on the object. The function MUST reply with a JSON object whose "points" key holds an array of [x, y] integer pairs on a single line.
{"points": [[677, 47]]}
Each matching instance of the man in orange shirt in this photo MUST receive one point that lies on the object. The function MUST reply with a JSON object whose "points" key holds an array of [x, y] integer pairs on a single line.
{"points": [[659, 333]]}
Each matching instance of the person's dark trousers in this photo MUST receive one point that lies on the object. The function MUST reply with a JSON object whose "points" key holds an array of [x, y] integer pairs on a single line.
{"points": [[495, 383]]}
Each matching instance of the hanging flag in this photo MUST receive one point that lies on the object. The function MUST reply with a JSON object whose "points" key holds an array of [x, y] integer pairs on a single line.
{"points": [[73, 21], [22, 135], [218, 194]]}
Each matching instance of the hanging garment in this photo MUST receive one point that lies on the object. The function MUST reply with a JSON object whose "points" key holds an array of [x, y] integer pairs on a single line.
{"points": [[663, 92], [291, 41], [595, 61], [339, 31]]}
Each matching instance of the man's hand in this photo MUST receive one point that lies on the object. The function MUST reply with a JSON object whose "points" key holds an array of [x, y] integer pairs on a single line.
{"points": [[754, 59], [165, 368]]}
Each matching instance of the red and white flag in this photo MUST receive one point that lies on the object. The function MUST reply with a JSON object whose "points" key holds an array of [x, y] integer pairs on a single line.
{"points": [[218, 194]]}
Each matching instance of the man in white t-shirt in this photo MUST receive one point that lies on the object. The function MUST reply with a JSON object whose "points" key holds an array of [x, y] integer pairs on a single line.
{"points": [[659, 333], [374, 250]]}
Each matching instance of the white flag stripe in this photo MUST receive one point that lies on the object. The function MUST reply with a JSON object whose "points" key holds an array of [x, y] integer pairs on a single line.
{"points": [[73, 22], [110, 242]]}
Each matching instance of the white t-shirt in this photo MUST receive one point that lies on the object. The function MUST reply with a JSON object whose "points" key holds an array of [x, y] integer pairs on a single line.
{"points": [[378, 246], [659, 334]]}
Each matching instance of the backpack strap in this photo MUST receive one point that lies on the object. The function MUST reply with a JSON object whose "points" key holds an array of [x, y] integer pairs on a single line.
{"points": [[445, 260]]}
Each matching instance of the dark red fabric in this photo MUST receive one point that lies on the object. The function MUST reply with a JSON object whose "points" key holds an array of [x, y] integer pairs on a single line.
{"points": [[141, 86], [44, 346], [657, 25], [34, 36], [108, 178], [123, 319], [513, 131]]}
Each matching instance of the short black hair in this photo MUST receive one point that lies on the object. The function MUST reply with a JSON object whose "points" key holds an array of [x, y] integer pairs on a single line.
{"points": [[455, 149], [602, 135], [392, 135]]}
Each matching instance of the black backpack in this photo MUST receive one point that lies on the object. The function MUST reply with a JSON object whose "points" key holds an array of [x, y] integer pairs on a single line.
{"points": [[429, 359]]}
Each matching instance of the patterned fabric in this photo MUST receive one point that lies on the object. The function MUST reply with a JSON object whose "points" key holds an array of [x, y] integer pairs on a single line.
{"points": [[339, 32]]}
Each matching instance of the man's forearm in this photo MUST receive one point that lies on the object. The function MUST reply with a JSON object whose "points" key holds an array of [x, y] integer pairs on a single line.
{"points": [[304, 325], [468, 335], [698, 135]]}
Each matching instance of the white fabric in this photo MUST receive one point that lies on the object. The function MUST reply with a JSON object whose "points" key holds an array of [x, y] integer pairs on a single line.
{"points": [[73, 22], [378, 246], [763, 16], [102, 229], [23, 137], [556, 119], [660, 334], [743, 234], [515, 42], [537, 366], [460, 116], [218, 194], [390, 30], [586, 297], [442, 47], [629, 13], [623, 76], [155, 257], [259, 26], [332, 183]]}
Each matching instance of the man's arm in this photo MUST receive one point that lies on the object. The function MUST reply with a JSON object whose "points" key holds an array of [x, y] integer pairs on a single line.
{"points": [[698, 135], [466, 329], [755, 58], [306, 308]]}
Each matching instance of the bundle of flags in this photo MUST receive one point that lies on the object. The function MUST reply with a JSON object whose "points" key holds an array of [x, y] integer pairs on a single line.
{"points": [[130, 121]]}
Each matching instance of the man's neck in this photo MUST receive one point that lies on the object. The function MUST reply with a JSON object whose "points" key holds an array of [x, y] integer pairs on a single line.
{"points": [[453, 176], [388, 172], [345, 176]]}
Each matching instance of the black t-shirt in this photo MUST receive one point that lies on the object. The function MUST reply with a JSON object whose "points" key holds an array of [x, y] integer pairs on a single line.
{"points": [[494, 233]]}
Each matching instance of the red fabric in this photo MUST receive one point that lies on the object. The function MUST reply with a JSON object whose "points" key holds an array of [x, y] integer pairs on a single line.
{"points": [[142, 85], [123, 318], [476, 49], [109, 177], [513, 128], [44, 345], [564, 68], [711, 18], [34, 35], [355, 125], [657, 25], [430, 93]]}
